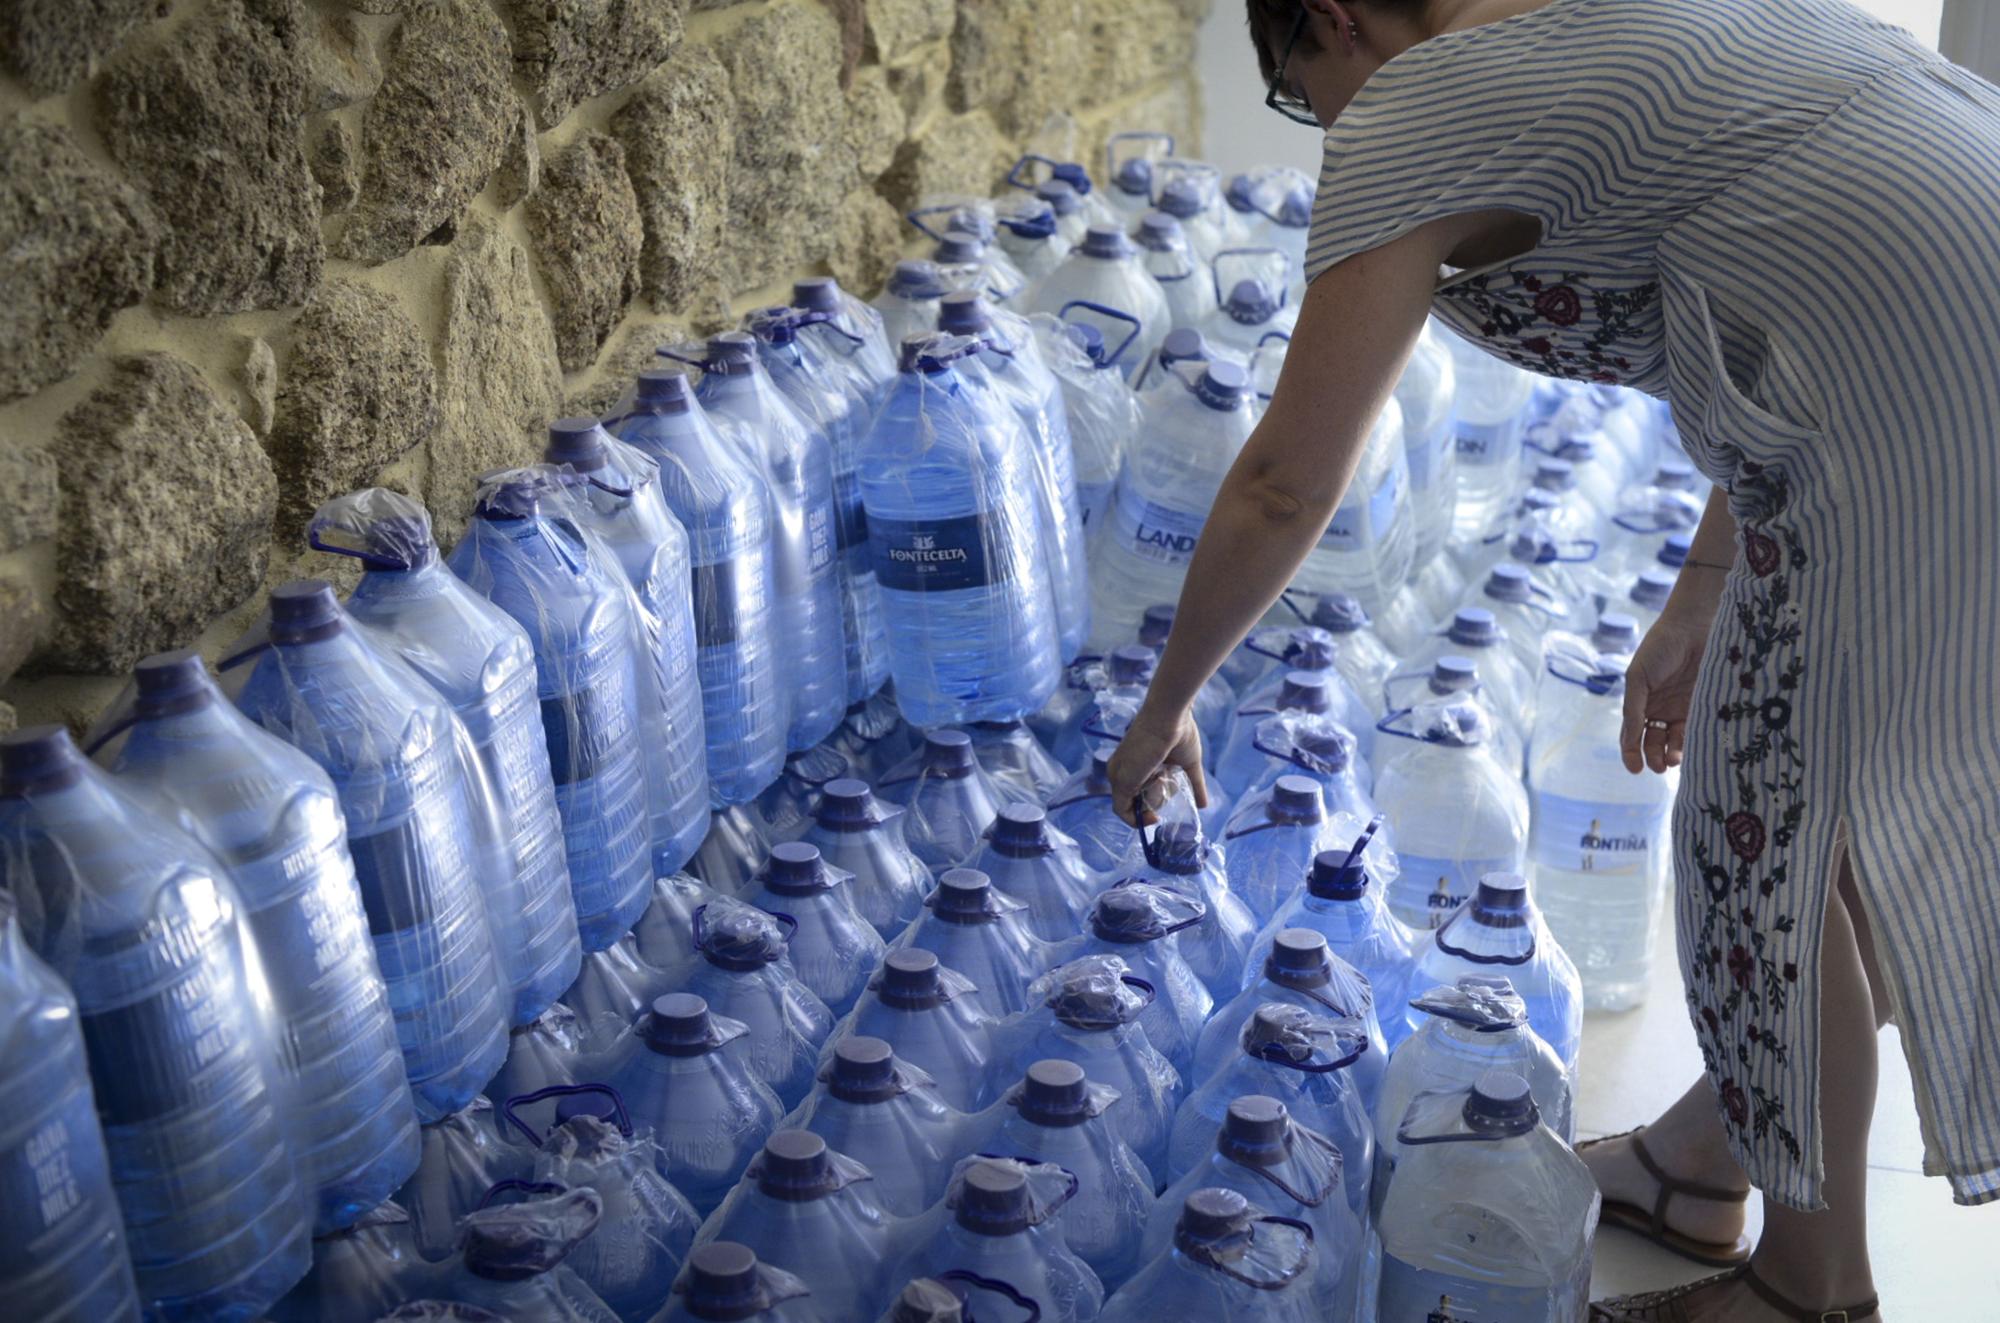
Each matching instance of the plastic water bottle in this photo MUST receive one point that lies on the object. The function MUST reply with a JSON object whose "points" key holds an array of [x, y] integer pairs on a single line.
{"points": [[1299, 970], [863, 837], [833, 947], [1478, 1024], [1056, 1114], [1598, 850], [1072, 215], [1341, 903], [612, 991], [359, 1273], [1081, 809], [510, 1259], [1180, 858], [1114, 692], [463, 1158], [1643, 518], [724, 1281], [1317, 651], [975, 929], [1444, 851], [796, 463], [1359, 653], [851, 339], [1027, 234], [968, 262], [1192, 432], [746, 977], [1500, 931], [874, 737], [136, 919], [1491, 1215], [525, 552], [1300, 693], [618, 498], [1227, 1259], [391, 745], [1087, 1012], [908, 303], [664, 935], [1426, 392], [1130, 191], [1141, 925], [1105, 268], [1487, 426], [951, 801], [829, 396], [1011, 359], [1251, 309], [685, 1077], [733, 849], [269, 814], [1475, 634], [483, 663], [720, 501], [1030, 861], [887, 1115], [1190, 192], [1103, 414], [1015, 759], [1000, 1226], [935, 1019], [545, 1053], [785, 807], [1215, 700], [1524, 610], [1646, 597], [65, 1258], [812, 1212], [1271, 841], [1261, 1154], [1187, 282], [952, 525]]}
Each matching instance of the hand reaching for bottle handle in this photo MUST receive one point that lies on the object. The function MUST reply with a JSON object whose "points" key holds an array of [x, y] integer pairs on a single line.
{"points": [[1138, 769]]}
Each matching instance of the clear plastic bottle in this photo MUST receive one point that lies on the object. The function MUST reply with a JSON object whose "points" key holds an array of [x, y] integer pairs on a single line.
{"points": [[1015, 759], [863, 837], [852, 340], [269, 814], [733, 849], [1476, 634], [1227, 1259], [1140, 925], [1036, 864], [547, 1052], [64, 1258], [1524, 610], [1251, 309], [1300, 970], [1081, 809], [1187, 282], [1457, 814], [1103, 415], [1000, 1224], [1215, 700], [1105, 268], [908, 303], [1072, 217], [1488, 421], [393, 749], [483, 662], [833, 948], [952, 524], [1427, 392], [1341, 903], [970, 263], [951, 801], [936, 1020], [785, 807], [1028, 235], [612, 991], [1271, 841], [1190, 193], [1500, 931], [135, 917], [464, 1157], [1180, 858], [724, 1281], [359, 1273], [887, 1115], [746, 977], [720, 501], [984, 935], [510, 1259]]}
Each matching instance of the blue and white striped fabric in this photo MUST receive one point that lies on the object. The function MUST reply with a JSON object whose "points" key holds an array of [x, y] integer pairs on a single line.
{"points": [[1781, 215]]}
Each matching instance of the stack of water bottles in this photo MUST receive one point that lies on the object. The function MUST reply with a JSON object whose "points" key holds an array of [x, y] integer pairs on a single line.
{"points": [[698, 894]]}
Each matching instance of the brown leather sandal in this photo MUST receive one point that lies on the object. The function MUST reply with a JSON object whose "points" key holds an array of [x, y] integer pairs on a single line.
{"points": [[1653, 1225], [1671, 1305]]}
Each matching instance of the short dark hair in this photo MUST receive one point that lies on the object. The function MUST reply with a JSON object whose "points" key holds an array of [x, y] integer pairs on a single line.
{"points": [[1271, 27]]}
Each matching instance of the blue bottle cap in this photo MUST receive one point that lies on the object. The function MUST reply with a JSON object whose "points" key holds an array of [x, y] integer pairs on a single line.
{"points": [[1087, 338], [1107, 242], [1208, 1216], [848, 805], [817, 294], [927, 1300], [1309, 648], [1652, 588], [796, 869], [1501, 901], [1184, 344], [994, 1200], [37, 760], [577, 442], [730, 354], [974, 222], [864, 1071], [912, 279], [965, 896], [1615, 632], [169, 683], [1510, 582], [1132, 663], [1034, 222], [664, 390], [597, 1106], [963, 312], [1295, 209], [1674, 553], [1500, 1105], [1180, 199], [1250, 304], [1134, 177], [1452, 674], [722, 1282], [678, 1026], [948, 754], [1333, 878], [1022, 832], [304, 611], [1160, 233], [1339, 613], [1177, 848], [911, 980], [1073, 174], [1303, 691], [1223, 386], [958, 248], [1157, 624], [1240, 193], [1296, 800], [795, 1168], [1060, 195], [1298, 959], [1254, 1132], [1125, 915], [1054, 1094], [774, 326], [1474, 627]]}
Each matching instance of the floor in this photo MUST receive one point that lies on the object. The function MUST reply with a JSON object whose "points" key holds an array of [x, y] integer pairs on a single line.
{"points": [[1933, 1259]]}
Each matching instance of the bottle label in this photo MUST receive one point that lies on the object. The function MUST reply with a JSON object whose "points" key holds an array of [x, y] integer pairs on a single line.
{"points": [[1426, 458], [935, 555], [1487, 443], [587, 724], [1359, 525], [1415, 1295], [45, 1178], [1581, 836], [1158, 533], [1429, 889], [719, 600], [821, 542], [850, 517]]}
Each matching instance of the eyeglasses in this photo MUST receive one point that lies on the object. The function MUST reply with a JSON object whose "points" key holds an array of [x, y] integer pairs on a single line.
{"points": [[1280, 96]]}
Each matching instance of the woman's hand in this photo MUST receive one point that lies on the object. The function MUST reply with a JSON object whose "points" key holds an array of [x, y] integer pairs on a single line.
{"points": [[1658, 686], [1152, 744]]}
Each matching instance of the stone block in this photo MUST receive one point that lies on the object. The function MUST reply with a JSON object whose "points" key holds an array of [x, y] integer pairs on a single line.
{"points": [[436, 129], [572, 50], [335, 168], [587, 234], [167, 502], [866, 235], [208, 124], [520, 172], [258, 375], [679, 135], [792, 164], [76, 245], [23, 622], [894, 28], [954, 154], [852, 16], [498, 385], [10, 720], [1172, 107], [626, 354], [27, 495], [50, 44], [877, 123], [1133, 44], [358, 392], [1020, 58], [342, 66]]}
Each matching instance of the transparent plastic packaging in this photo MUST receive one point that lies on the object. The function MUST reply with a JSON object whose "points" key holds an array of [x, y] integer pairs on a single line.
{"points": [[832, 947], [733, 850], [813, 1212], [1502, 931], [999, 1224], [1299, 970], [149, 934], [269, 814], [786, 804], [686, 1077], [1311, 650], [983, 934], [746, 975], [724, 1281], [1109, 694], [1026, 232], [908, 303], [1264, 1155], [936, 1020], [862, 836], [1032, 862], [613, 990], [852, 340], [888, 1116], [1129, 158], [1023, 770], [1227, 1258], [972, 263], [720, 500], [1475, 634], [665, 932], [463, 1158], [526, 552], [951, 802], [951, 501], [1524, 610], [1103, 412], [1271, 839], [1489, 1208], [1187, 282], [614, 491], [64, 1261], [482, 661], [413, 798], [359, 1273], [1175, 854], [1141, 925], [547, 1052], [874, 737], [510, 1258], [1191, 192]]}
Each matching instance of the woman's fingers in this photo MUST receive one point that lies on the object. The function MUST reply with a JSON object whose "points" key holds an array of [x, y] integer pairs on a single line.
{"points": [[1632, 730], [1657, 732], [1197, 779]]}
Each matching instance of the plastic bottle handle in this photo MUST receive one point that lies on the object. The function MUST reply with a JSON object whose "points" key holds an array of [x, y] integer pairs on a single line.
{"points": [[790, 924], [563, 1091], [1215, 269], [514, 1185], [1032, 1311], [1113, 313]]}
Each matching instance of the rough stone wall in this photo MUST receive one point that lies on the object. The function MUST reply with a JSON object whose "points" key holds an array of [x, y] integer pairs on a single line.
{"points": [[254, 253]]}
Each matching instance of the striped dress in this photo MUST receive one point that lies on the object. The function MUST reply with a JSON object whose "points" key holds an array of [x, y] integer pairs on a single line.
{"points": [[1784, 217]]}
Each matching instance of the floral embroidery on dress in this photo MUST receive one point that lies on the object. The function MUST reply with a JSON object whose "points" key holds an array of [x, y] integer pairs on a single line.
{"points": [[1566, 327], [1743, 982]]}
